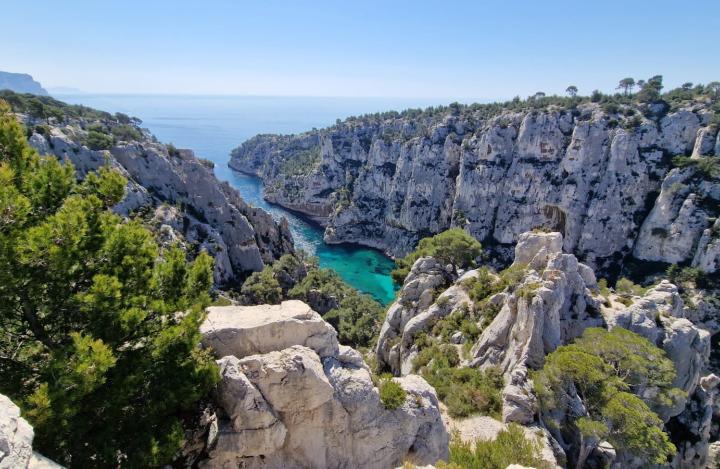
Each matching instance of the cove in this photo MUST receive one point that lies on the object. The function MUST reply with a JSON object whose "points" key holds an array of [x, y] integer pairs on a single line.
{"points": [[213, 125], [366, 269]]}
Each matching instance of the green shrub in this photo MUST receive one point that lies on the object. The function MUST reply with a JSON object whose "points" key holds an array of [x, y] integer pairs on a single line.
{"points": [[262, 287], [454, 246], [460, 320], [98, 141], [392, 395], [511, 446], [126, 132], [301, 163], [172, 150], [465, 391], [357, 317], [626, 288]]}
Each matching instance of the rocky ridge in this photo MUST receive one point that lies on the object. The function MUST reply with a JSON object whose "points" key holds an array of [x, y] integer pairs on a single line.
{"points": [[602, 178], [555, 299], [21, 83], [291, 397], [178, 192]]}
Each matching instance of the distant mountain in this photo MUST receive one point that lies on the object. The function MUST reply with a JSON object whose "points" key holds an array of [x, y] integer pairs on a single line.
{"points": [[21, 83]]}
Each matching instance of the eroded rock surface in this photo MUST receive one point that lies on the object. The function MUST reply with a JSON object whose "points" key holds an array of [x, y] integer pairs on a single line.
{"points": [[290, 397]]}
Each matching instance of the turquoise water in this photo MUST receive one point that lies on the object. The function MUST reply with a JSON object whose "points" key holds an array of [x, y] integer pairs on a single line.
{"points": [[214, 125]]}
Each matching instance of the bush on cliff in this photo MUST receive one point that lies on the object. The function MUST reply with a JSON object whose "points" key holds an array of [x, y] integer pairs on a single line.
{"points": [[100, 326], [606, 370], [454, 246], [392, 395], [511, 446]]}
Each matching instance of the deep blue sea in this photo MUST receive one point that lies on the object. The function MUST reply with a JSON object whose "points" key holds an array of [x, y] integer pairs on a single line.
{"points": [[214, 125]]}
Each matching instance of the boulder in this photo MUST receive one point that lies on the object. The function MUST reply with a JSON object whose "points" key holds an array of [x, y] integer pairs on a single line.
{"points": [[247, 330], [301, 407]]}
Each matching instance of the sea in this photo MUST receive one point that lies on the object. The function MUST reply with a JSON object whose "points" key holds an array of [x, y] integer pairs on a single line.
{"points": [[213, 125]]}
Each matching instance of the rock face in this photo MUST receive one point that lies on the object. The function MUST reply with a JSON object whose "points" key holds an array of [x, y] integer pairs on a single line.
{"points": [[291, 397], [21, 83], [184, 193], [16, 437], [386, 182]]}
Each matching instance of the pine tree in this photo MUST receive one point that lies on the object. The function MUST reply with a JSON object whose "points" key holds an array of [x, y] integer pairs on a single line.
{"points": [[100, 326]]}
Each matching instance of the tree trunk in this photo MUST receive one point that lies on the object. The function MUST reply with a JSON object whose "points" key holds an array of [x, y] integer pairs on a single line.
{"points": [[583, 454]]}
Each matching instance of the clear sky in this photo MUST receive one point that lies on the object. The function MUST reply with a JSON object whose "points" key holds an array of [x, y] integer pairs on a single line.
{"points": [[391, 48]]}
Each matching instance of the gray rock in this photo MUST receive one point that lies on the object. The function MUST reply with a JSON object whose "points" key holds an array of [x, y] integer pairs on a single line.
{"points": [[249, 330], [16, 437], [295, 408]]}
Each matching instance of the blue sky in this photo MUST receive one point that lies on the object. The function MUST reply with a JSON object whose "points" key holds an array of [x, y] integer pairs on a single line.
{"points": [[430, 49]]}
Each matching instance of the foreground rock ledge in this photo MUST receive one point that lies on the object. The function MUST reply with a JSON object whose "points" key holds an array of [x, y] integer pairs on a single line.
{"points": [[291, 397]]}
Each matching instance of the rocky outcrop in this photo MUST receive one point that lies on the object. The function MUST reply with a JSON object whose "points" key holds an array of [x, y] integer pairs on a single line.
{"points": [[184, 193], [16, 437], [595, 176], [552, 300], [550, 306], [415, 310], [659, 316], [291, 397]]}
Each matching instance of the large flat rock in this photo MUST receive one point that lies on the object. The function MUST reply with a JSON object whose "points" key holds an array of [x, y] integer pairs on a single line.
{"points": [[251, 330]]}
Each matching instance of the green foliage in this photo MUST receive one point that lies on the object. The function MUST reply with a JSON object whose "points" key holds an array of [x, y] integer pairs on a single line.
{"points": [[454, 246], [465, 391], [45, 106], [608, 370], [262, 287], [707, 167], [626, 288], [357, 318], [692, 277], [93, 347], [460, 320], [511, 446], [98, 140], [126, 132], [392, 395]]}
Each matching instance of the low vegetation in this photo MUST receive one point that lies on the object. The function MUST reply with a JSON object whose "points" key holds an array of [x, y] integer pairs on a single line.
{"points": [[301, 163], [465, 391], [511, 446], [623, 106], [392, 395], [609, 371]]}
